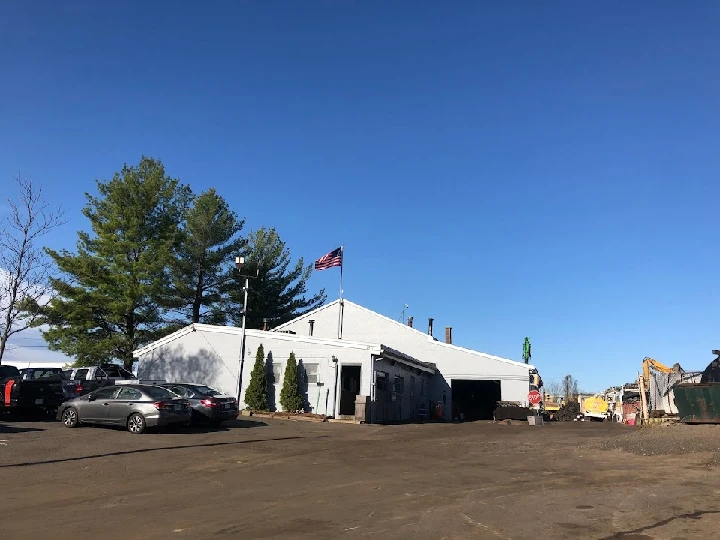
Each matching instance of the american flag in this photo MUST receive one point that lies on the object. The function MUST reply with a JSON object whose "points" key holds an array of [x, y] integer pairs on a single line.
{"points": [[334, 258]]}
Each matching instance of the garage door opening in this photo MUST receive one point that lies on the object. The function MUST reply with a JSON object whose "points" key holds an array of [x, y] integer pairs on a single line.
{"points": [[474, 400]]}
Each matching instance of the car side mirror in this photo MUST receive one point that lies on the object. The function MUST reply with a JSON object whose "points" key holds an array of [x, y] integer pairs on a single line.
{"points": [[91, 398]]}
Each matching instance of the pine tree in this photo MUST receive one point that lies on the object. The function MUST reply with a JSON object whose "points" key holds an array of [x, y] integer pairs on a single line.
{"points": [[279, 291], [290, 396], [203, 261], [256, 393], [110, 292]]}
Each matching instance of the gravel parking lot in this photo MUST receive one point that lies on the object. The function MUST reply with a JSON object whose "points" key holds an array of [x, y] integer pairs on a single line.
{"points": [[284, 479]]}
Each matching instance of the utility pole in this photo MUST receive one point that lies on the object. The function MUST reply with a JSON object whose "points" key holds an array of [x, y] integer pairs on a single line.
{"points": [[239, 263]]}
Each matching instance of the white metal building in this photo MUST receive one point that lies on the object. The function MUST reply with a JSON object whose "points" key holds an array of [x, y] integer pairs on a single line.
{"points": [[333, 371], [406, 373], [467, 381]]}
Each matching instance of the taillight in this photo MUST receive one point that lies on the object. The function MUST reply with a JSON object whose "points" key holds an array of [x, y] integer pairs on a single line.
{"points": [[78, 388], [209, 402], [160, 405]]}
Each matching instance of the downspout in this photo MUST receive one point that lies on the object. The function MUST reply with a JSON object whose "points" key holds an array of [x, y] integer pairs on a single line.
{"points": [[373, 381], [335, 411]]}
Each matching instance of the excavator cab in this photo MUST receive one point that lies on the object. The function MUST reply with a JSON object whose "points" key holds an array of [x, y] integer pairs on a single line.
{"points": [[712, 372]]}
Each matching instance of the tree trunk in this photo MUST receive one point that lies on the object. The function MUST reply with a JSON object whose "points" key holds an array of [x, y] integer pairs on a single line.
{"points": [[196, 310], [3, 341], [197, 301], [12, 301], [6, 329], [128, 357]]}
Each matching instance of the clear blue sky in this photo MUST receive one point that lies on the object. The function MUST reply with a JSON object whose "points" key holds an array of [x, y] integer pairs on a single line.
{"points": [[511, 169]]}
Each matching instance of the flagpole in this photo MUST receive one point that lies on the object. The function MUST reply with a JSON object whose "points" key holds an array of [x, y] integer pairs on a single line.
{"points": [[342, 304], [342, 256]]}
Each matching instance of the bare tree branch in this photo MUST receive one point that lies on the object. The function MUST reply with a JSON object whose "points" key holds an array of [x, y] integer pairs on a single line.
{"points": [[555, 389], [24, 267]]}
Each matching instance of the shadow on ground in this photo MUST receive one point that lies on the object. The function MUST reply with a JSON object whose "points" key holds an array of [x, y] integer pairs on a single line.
{"points": [[230, 425], [6, 429], [149, 450]]}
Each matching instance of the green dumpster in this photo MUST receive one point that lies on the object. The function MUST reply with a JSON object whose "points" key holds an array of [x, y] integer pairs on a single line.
{"points": [[698, 403]]}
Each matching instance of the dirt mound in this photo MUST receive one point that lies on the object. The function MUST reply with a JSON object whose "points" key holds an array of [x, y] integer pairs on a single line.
{"points": [[667, 440]]}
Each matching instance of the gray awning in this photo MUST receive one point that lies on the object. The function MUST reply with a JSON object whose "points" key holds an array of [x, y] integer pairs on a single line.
{"points": [[401, 358]]}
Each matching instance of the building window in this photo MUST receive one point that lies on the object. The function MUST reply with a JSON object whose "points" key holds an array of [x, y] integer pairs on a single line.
{"points": [[311, 373], [399, 387], [381, 381], [277, 373]]}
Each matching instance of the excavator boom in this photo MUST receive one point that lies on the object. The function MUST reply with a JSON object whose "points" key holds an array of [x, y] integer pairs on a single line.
{"points": [[649, 363]]}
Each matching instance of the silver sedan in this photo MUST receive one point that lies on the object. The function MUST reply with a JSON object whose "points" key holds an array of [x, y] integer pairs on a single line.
{"points": [[135, 406]]}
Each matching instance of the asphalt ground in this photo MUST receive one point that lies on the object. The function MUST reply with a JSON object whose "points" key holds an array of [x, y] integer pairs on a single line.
{"points": [[291, 479]]}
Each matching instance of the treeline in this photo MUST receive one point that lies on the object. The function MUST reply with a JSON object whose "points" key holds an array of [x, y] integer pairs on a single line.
{"points": [[158, 257]]}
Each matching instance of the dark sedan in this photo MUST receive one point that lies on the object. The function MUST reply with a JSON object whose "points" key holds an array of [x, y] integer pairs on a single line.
{"points": [[134, 406], [208, 404]]}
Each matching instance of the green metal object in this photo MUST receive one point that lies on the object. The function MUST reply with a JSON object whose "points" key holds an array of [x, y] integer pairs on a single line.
{"points": [[527, 354], [698, 403]]}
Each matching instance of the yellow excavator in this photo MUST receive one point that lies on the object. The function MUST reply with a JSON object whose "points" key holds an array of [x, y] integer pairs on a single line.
{"points": [[650, 363], [647, 365]]}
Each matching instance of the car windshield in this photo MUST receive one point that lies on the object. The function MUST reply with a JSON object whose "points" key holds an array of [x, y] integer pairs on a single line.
{"points": [[158, 392], [205, 390], [116, 372]]}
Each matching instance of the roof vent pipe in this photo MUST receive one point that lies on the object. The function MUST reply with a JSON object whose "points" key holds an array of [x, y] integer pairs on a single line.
{"points": [[430, 322], [312, 326]]}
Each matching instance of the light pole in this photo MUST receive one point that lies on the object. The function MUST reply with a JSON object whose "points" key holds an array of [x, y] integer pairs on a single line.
{"points": [[239, 263]]}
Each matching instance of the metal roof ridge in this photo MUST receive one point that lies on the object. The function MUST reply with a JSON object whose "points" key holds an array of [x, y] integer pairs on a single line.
{"points": [[316, 310], [287, 337], [163, 340]]}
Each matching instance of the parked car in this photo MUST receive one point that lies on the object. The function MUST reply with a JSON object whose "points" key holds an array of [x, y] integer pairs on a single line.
{"points": [[83, 380], [135, 406], [35, 395], [208, 404]]}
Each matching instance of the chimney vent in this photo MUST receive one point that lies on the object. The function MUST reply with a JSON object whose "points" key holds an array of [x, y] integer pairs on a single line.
{"points": [[448, 334], [430, 321], [266, 326], [410, 319], [312, 326]]}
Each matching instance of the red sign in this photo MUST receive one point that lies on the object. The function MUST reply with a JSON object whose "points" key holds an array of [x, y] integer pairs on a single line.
{"points": [[534, 397]]}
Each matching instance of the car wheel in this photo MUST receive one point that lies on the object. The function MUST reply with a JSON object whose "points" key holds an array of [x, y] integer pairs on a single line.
{"points": [[136, 423], [70, 417]]}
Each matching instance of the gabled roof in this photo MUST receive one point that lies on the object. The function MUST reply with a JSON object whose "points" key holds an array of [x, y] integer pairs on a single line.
{"points": [[405, 328], [280, 336], [372, 348]]}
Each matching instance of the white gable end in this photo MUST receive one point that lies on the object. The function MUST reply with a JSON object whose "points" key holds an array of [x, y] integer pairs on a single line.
{"points": [[453, 362]]}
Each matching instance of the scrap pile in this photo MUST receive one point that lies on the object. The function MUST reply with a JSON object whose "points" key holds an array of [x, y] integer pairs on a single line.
{"points": [[569, 411]]}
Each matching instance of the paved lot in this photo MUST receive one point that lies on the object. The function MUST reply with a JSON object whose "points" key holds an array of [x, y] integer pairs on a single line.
{"points": [[280, 479]]}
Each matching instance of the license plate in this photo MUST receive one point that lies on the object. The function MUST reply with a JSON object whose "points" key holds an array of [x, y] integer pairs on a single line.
{"points": [[38, 402]]}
